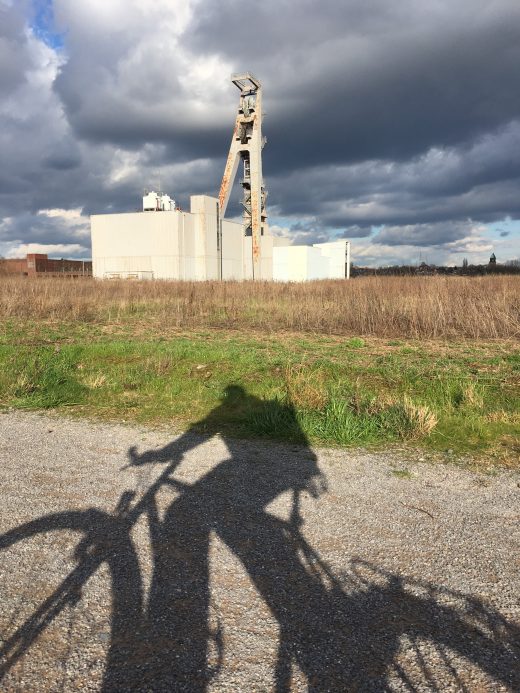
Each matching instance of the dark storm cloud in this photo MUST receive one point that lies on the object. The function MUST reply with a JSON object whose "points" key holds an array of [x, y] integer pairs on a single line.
{"points": [[355, 231], [321, 225], [44, 229], [14, 58], [350, 82], [62, 159], [318, 231], [423, 234], [397, 114], [345, 83], [480, 181], [63, 232]]}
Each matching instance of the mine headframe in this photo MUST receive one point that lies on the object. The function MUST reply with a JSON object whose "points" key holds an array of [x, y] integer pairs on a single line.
{"points": [[246, 147]]}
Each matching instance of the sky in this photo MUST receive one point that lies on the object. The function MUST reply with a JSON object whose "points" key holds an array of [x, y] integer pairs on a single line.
{"points": [[393, 123]]}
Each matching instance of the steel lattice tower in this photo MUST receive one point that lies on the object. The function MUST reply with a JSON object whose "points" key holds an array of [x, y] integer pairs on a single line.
{"points": [[246, 146]]}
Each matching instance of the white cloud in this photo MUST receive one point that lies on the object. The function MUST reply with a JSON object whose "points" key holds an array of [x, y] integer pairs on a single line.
{"points": [[280, 231], [70, 215], [476, 246], [60, 250]]}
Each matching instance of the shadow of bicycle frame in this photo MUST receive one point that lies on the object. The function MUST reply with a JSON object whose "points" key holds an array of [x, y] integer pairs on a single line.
{"points": [[342, 632]]}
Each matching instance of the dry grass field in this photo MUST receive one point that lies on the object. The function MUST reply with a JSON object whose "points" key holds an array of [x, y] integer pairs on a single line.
{"points": [[401, 307]]}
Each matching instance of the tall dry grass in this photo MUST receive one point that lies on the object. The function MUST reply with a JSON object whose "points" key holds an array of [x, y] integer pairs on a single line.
{"points": [[411, 307]]}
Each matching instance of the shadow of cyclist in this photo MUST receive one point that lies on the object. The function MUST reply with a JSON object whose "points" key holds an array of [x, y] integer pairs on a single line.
{"points": [[343, 634], [339, 640], [229, 500]]}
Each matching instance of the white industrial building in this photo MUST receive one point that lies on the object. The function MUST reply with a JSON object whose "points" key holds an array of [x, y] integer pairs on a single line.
{"points": [[163, 242], [197, 246]]}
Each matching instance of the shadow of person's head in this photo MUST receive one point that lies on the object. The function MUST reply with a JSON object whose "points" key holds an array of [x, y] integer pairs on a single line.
{"points": [[243, 415], [234, 393]]}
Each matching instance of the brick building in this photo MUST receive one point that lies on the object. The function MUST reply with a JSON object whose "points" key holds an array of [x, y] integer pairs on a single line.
{"points": [[39, 265]]}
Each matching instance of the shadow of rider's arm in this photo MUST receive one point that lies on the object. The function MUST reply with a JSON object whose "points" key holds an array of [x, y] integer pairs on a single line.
{"points": [[170, 452]]}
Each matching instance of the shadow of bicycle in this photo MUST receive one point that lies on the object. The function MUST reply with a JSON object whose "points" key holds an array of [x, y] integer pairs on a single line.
{"points": [[364, 630]]}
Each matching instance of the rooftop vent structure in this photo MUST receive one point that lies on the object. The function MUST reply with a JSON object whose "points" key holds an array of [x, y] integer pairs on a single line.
{"points": [[157, 202]]}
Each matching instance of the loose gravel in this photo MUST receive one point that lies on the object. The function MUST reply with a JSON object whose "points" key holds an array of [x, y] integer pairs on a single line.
{"points": [[248, 566]]}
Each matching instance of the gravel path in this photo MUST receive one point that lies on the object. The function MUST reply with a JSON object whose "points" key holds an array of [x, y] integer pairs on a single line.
{"points": [[248, 566]]}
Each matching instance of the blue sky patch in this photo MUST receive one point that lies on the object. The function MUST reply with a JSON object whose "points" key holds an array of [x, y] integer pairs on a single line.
{"points": [[43, 24]]}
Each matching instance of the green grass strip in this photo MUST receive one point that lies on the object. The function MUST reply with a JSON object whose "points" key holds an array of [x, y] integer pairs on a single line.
{"points": [[329, 390]]}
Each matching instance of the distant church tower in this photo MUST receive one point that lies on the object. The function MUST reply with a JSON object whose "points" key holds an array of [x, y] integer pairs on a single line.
{"points": [[493, 259]]}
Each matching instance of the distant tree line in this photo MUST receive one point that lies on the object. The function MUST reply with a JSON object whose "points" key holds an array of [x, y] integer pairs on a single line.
{"points": [[423, 269]]}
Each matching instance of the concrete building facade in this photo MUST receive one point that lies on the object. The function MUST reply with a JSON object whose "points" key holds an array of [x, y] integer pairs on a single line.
{"points": [[198, 246], [164, 242], [299, 263], [174, 245]]}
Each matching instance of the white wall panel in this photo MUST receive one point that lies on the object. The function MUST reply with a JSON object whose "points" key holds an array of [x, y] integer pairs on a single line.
{"points": [[336, 251], [183, 245]]}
